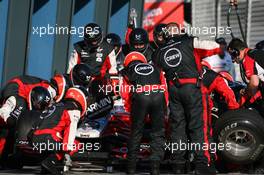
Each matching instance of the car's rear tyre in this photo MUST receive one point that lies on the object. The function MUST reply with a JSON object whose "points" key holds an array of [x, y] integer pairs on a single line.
{"points": [[242, 133]]}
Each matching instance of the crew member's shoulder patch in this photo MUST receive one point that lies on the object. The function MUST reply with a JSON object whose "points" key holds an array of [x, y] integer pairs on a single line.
{"points": [[144, 69]]}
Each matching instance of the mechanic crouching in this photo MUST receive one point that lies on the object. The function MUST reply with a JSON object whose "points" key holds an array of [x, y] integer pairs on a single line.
{"points": [[147, 98], [218, 82], [15, 97], [54, 133], [252, 72], [38, 99]]}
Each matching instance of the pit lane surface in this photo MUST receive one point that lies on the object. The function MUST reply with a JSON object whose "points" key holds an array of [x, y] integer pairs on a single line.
{"points": [[30, 170], [33, 170]]}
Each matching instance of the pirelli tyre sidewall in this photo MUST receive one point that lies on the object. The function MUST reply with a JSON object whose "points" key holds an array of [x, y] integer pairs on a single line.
{"points": [[242, 132]]}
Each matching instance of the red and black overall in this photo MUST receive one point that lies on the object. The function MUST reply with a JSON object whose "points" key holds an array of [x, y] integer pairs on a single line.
{"points": [[56, 129], [101, 60], [180, 59], [20, 87], [144, 91], [215, 83], [253, 64]]}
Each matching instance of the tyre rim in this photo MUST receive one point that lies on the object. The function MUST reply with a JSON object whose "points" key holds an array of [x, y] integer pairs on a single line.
{"points": [[241, 143]]}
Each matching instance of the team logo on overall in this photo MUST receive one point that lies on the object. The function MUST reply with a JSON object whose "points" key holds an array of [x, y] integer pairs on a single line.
{"points": [[173, 57], [99, 54], [47, 99], [143, 69], [138, 37], [47, 113], [84, 53], [109, 40]]}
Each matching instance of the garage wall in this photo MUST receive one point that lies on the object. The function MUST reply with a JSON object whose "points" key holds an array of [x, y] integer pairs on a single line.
{"points": [[24, 52], [3, 19], [214, 13]]}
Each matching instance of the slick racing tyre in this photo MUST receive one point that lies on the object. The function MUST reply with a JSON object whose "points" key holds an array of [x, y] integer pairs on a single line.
{"points": [[242, 133]]}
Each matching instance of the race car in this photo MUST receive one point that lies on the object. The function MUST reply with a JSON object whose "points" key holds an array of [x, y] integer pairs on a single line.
{"points": [[106, 131]]}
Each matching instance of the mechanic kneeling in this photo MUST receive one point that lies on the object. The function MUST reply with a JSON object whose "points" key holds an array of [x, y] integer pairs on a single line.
{"points": [[15, 96], [54, 133], [39, 98], [252, 71], [149, 96], [218, 82]]}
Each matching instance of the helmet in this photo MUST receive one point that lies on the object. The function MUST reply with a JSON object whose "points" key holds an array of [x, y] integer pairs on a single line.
{"points": [[58, 82], [93, 35], [134, 56], [138, 36], [39, 98], [79, 96], [159, 32], [260, 45], [80, 75], [113, 39]]}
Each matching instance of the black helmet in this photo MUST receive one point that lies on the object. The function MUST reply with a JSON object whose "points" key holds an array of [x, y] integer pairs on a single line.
{"points": [[114, 40], [260, 45], [81, 75], [157, 32], [93, 35], [39, 98], [138, 36]]}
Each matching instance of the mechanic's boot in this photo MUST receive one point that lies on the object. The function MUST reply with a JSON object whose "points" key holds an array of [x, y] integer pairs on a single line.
{"points": [[201, 168], [179, 168], [50, 164], [131, 167], [155, 166]]}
